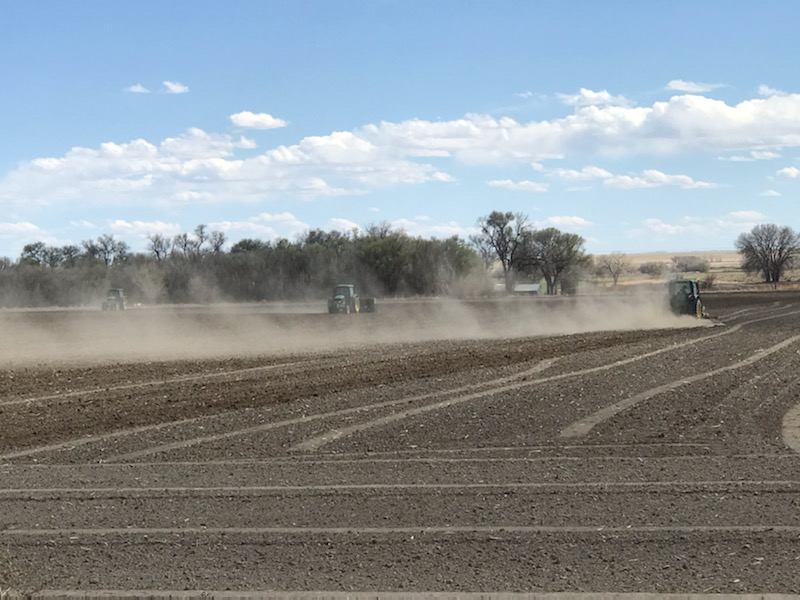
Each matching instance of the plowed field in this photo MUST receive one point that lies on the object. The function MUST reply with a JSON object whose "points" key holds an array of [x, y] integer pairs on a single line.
{"points": [[508, 446]]}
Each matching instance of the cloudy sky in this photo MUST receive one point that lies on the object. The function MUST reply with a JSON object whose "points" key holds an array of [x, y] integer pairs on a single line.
{"points": [[642, 126]]}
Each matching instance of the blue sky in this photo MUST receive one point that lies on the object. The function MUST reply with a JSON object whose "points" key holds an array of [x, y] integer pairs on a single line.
{"points": [[642, 126]]}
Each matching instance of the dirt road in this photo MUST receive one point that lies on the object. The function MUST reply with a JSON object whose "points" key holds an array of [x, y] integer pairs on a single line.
{"points": [[658, 460]]}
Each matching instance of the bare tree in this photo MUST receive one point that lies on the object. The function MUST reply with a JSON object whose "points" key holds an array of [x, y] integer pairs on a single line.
{"points": [[615, 264], [503, 233], [484, 250], [553, 253], [201, 237], [182, 243], [159, 246], [769, 250], [34, 253], [122, 251], [53, 256], [70, 255], [217, 241], [90, 249], [378, 230], [106, 248]]}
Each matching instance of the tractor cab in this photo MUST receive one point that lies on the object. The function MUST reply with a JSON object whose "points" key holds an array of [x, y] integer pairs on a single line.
{"points": [[115, 300], [684, 298], [345, 300], [344, 291]]}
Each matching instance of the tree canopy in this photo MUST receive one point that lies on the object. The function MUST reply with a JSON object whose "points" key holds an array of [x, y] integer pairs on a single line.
{"points": [[769, 250]]}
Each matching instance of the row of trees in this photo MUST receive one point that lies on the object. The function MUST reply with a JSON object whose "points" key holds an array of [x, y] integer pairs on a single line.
{"points": [[197, 267]]}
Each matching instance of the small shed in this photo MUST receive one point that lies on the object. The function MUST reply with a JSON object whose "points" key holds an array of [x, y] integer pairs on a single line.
{"points": [[526, 289]]}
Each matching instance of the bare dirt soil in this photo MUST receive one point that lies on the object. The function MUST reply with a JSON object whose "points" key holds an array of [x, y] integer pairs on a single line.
{"points": [[517, 446]]}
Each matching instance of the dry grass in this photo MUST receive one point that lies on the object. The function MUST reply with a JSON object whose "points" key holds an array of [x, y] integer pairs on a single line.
{"points": [[724, 268], [716, 258]]}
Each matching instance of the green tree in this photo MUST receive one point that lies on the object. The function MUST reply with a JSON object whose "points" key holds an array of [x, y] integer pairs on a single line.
{"points": [[553, 253], [769, 250], [503, 234]]}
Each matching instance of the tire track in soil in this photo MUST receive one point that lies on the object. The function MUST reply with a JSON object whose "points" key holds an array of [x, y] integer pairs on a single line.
{"points": [[315, 443], [165, 492], [85, 440], [423, 530], [790, 429], [540, 366], [582, 427], [95, 415], [82, 441], [155, 382]]}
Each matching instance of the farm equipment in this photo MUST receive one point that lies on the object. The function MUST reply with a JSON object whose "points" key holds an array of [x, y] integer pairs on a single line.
{"points": [[346, 301], [684, 298], [115, 300]]}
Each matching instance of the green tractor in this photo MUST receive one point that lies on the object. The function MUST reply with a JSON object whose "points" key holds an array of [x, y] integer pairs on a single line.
{"points": [[115, 300], [684, 298], [346, 301]]}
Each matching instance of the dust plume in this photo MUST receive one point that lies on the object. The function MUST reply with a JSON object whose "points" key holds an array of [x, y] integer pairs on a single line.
{"points": [[194, 332]]}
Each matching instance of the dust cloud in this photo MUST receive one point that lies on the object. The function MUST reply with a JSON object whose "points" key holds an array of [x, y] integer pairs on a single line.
{"points": [[47, 337]]}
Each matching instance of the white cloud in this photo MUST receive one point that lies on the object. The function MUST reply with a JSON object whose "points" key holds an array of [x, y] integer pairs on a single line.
{"points": [[660, 227], [341, 224], [82, 224], [137, 88], [653, 178], [704, 228], [143, 228], [398, 153], [751, 156], [765, 90], [197, 166], [268, 226], [789, 172], [585, 174], [15, 234], [191, 196], [648, 178], [427, 228], [747, 215], [771, 194], [525, 95], [518, 186], [20, 228], [692, 87], [253, 120], [682, 123], [570, 222], [174, 87], [586, 97]]}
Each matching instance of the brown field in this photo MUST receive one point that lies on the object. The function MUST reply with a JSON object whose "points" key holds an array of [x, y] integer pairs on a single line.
{"points": [[556, 445], [724, 269]]}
